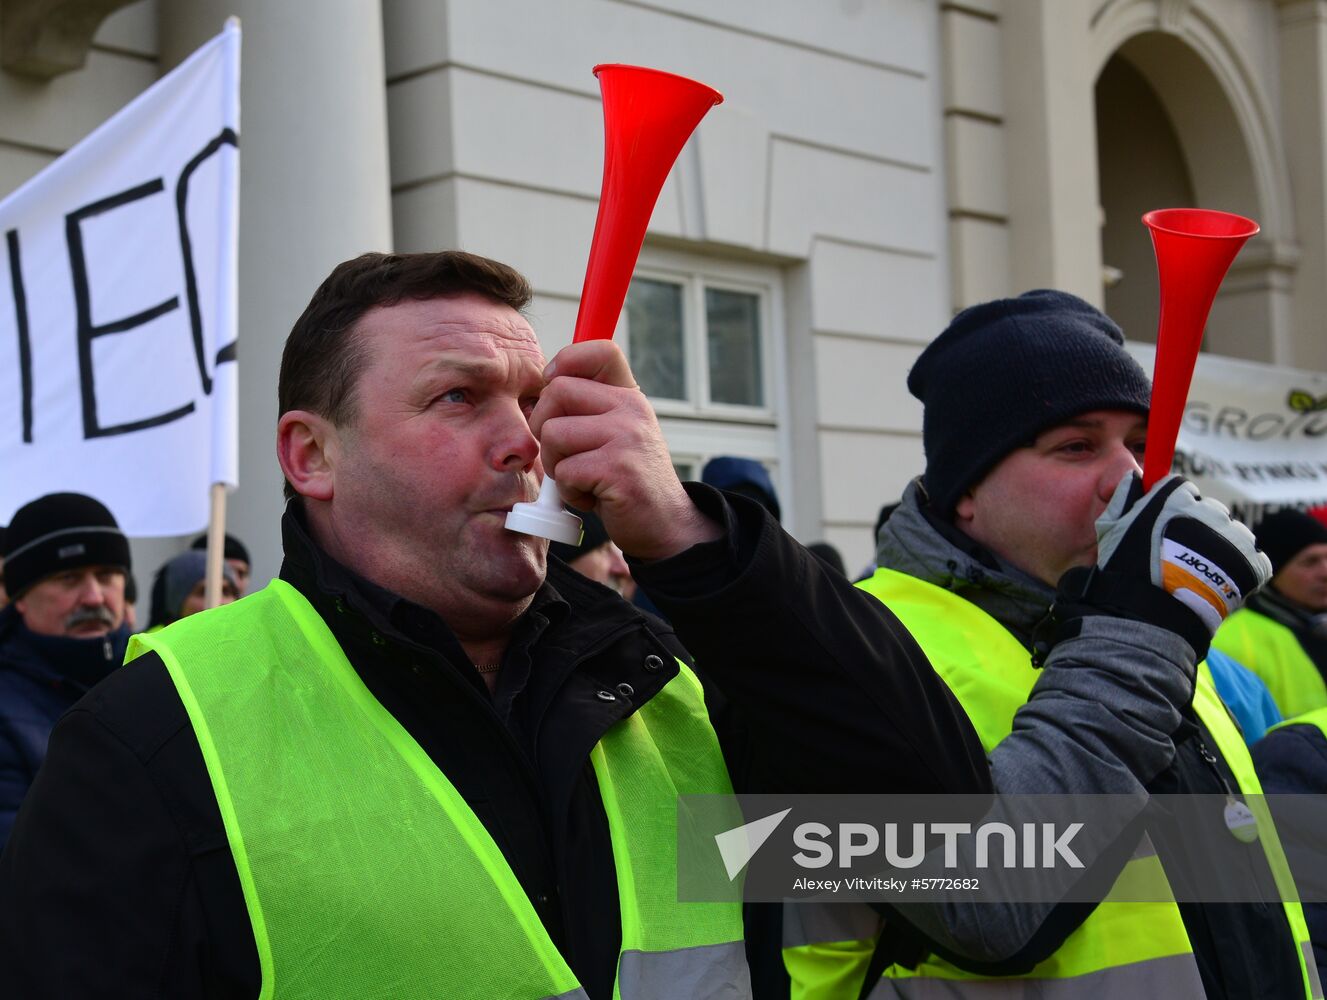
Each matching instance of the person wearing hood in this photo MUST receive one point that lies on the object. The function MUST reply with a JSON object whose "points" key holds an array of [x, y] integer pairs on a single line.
{"points": [[744, 476], [179, 588], [65, 562]]}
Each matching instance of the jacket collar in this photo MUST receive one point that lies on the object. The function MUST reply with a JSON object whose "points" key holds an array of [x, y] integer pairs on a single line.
{"points": [[916, 541], [1276, 606], [56, 660], [334, 590]]}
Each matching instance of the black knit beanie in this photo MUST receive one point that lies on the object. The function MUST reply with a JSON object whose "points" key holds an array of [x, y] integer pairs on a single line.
{"points": [[234, 548], [1286, 533], [57, 532], [1005, 371]]}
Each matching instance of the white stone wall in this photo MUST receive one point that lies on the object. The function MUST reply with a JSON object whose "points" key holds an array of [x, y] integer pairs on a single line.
{"points": [[824, 160], [40, 119], [890, 160]]}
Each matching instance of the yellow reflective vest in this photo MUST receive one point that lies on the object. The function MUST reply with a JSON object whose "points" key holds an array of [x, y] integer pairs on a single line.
{"points": [[1134, 950], [366, 874], [1272, 651]]}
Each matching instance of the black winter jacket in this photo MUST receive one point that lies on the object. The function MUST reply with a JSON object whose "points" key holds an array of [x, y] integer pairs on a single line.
{"points": [[121, 849], [40, 677], [1292, 760]]}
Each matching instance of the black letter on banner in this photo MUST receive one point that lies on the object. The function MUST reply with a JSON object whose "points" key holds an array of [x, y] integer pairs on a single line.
{"points": [[227, 353], [87, 332], [24, 342]]}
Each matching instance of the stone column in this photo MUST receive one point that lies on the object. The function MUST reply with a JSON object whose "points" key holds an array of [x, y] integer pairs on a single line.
{"points": [[1304, 123], [314, 190], [1050, 136]]}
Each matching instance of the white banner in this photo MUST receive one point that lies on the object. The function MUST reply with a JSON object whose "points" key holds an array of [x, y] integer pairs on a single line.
{"points": [[118, 307], [1253, 436]]}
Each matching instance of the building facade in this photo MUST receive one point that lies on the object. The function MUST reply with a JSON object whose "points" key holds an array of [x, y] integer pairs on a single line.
{"points": [[876, 165]]}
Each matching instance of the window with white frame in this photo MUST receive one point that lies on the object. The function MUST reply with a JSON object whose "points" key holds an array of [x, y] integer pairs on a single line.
{"points": [[705, 340]]}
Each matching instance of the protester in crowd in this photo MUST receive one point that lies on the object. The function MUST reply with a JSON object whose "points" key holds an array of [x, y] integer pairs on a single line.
{"points": [[597, 557], [1281, 634], [236, 554], [447, 768], [65, 567], [1029, 538], [1292, 760], [744, 476], [180, 588]]}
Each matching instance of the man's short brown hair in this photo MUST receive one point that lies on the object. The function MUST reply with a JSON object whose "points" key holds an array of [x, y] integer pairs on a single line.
{"points": [[323, 358]]}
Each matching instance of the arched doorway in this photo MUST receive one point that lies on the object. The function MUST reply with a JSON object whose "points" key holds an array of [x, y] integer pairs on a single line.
{"points": [[1140, 166], [1176, 126]]}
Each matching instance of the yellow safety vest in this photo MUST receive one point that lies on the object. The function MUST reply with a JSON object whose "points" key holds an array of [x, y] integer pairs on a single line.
{"points": [[366, 874], [1126, 949], [1271, 651]]}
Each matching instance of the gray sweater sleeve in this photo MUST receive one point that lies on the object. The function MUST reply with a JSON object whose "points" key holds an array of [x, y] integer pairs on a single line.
{"points": [[1099, 721]]}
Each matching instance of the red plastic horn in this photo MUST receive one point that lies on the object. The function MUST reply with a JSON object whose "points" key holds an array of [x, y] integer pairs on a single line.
{"points": [[1194, 248], [648, 117]]}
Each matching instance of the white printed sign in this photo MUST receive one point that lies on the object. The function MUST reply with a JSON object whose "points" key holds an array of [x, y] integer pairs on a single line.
{"points": [[1253, 436], [118, 307]]}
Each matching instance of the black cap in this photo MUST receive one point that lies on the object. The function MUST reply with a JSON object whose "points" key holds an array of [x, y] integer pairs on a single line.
{"points": [[57, 532], [234, 548], [1286, 533], [1005, 371]]}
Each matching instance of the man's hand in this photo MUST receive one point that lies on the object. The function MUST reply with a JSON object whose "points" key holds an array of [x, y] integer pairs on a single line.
{"points": [[1188, 546], [602, 444], [1169, 557]]}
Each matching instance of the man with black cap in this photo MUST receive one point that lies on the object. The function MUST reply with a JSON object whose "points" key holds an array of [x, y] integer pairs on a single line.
{"points": [[1281, 634], [65, 567], [1028, 542]]}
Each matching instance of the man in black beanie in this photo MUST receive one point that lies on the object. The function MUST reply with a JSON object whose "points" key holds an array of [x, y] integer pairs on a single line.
{"points": [[1281, 634], [65, 567], [1029, 543]]}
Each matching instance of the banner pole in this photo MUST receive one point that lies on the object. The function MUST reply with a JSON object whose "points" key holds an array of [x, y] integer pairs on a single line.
{"points": [[216, 544]]}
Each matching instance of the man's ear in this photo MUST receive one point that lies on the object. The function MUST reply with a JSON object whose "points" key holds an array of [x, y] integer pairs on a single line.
{"points": [[964, 509], [307, 446]]}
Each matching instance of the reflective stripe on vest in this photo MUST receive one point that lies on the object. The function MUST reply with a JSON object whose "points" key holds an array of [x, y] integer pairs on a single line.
{"points": [[1271, 651], [364, 871], [1122, 948]]}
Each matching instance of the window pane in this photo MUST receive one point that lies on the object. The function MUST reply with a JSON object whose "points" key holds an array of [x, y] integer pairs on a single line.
{"points": [[654, 336], [733, 322]]}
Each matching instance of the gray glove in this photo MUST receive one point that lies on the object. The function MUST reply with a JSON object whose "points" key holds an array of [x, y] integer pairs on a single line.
{"points": [[1170, 558]]}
